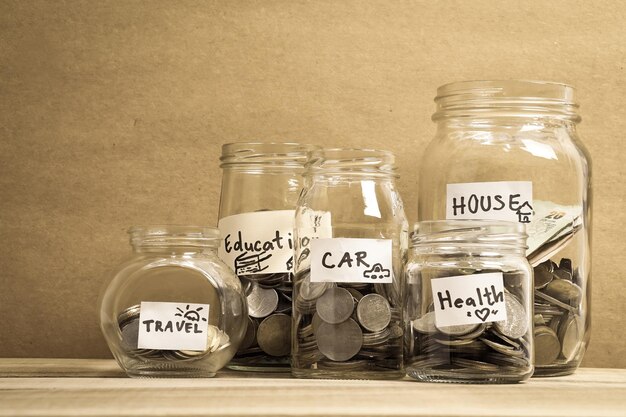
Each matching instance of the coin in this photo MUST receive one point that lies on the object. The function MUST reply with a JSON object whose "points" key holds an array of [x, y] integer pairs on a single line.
{"points": [[339, 342], [426, 323], [373, 312], [543, 274], [564, 290], [570, 335], [547, 345], [335, 305], [262, 302], [130, 334], [516, 324], [274, 335], [249, 338], [315, 322], [312, 290], [458, 330]]}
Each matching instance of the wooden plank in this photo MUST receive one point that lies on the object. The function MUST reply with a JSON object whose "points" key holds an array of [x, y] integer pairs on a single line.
{"points": [[590, 392]]}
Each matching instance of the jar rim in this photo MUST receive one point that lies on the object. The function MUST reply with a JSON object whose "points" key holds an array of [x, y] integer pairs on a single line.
{"points": [[509, 98], [352, 161], [265, 153], [174, 234]]}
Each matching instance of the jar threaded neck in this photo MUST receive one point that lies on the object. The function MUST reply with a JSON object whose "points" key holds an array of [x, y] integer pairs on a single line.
{"points": [[506, 98]]}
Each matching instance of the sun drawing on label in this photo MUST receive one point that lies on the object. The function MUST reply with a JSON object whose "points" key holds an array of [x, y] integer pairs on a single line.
{"points": [[190, 314]]}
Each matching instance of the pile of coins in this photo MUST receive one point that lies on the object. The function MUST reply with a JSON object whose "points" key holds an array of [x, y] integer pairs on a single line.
{"points": [[496, 347], [268, 335], [346, 327], [559, 326], [128, 322]]}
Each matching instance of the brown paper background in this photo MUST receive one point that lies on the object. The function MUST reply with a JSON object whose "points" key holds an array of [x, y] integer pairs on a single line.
{"points": [[113, 114]]}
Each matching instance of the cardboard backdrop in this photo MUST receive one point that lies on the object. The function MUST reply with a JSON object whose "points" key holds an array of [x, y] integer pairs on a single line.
{"points": [[112, 113]]}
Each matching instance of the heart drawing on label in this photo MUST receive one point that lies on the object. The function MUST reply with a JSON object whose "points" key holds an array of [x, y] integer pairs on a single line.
{"points": [[482, 313]]}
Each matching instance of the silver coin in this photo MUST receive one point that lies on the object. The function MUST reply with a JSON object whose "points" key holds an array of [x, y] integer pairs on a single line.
{"points": [[570, 334], [274, 335], [262, 302], [249, 339], [312, 290], [564, 291], [458, 330], [335, 305], [339, 342], [130, 335], [128, 314], [543, 274], [516, 325], [547, 345], [315, 322], [373, 312], [426, 323]]}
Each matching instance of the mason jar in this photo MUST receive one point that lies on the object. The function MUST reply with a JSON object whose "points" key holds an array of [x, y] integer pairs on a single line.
{"points": [[260, 186], [469, 303], [351, 238], [509, 150], [174, 309]]}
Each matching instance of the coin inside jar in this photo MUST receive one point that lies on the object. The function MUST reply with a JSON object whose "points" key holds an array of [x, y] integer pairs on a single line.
{"points": [[274, 335], [339, 342], [570, 334], [547, 346], [335, 305], [516, 325], [374, 312], [261, 302]]}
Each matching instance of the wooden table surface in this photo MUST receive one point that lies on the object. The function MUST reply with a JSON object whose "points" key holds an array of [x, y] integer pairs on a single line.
{"points": [[67, 387]]}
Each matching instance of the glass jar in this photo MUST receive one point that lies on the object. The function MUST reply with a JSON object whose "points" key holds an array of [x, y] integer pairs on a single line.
{"points": [[260, 186], [469, 303], [173, 309], [508, 150], [351, 239]]}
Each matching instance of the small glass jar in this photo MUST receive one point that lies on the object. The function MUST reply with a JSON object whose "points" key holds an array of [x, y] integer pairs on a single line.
{"points": [[174, 309], [351, 238], [509, 150], [260, 186], [469, 303]]}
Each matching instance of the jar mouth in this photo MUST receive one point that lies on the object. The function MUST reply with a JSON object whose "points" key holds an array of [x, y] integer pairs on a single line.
{"points": [[244, 154], [174, 235], [352, 161], [495, 233], [506, 98]]}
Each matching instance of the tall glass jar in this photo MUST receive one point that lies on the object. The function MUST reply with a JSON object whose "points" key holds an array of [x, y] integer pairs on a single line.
{"points": [[469, 303], [509, 150], [173, 309], [351, 238], [261, 183]]}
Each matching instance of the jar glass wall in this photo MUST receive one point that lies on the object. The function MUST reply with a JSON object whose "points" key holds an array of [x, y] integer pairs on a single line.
{"points": [[509, 150], [469, 303], [261, 183], [351, 238], [173, 309]]}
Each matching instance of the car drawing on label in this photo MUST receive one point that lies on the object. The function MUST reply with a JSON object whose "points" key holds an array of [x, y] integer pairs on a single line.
{"points": [[377, 272]]}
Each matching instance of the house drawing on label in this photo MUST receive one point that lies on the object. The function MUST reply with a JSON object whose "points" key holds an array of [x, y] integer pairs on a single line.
{"points": [[377, 271], [524, 212]]}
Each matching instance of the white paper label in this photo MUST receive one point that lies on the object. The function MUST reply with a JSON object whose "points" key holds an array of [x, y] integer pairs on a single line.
{"points": [[260, 242], [173, 326], [504, 200], [469, 299], [352, 260]]}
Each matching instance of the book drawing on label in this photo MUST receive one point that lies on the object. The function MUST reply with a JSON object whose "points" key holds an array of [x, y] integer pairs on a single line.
{"points": [[377, 271], [251, 263]]}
